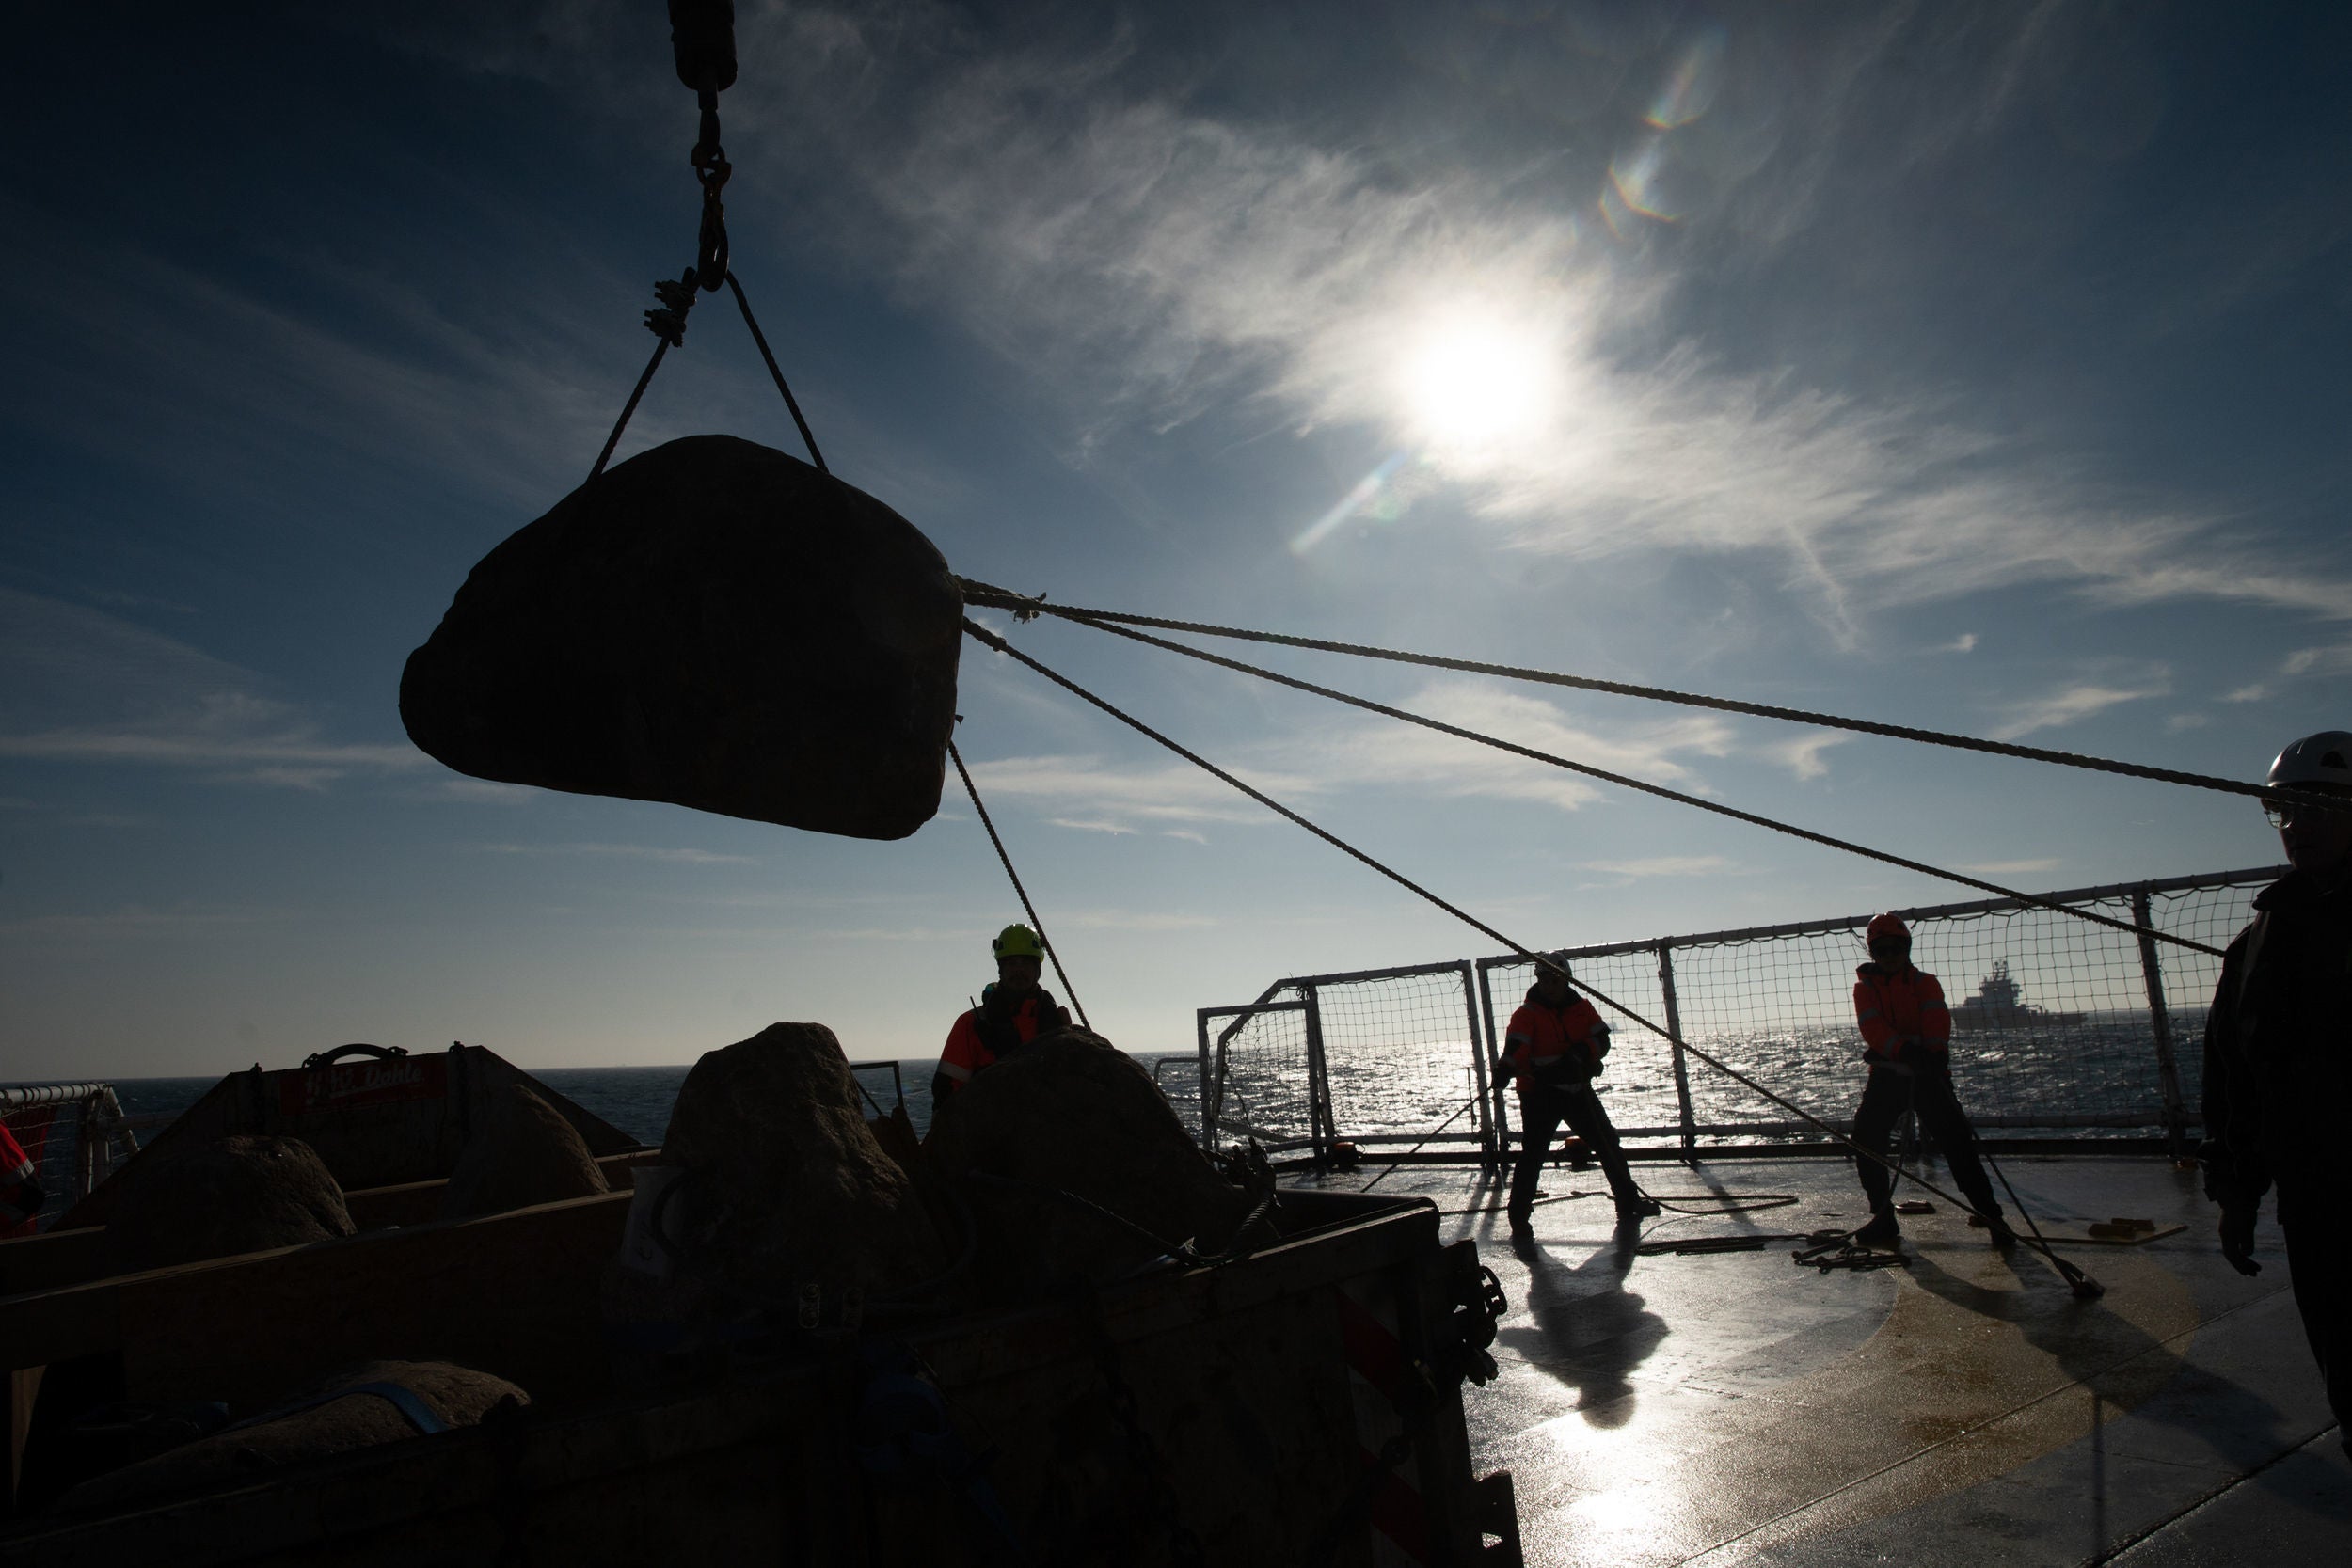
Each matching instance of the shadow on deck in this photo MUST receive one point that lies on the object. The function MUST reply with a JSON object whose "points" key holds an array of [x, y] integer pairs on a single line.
{"points": [[1731, 1408]]}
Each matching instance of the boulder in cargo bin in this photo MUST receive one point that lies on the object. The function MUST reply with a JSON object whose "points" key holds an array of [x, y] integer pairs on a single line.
{"points": [[712, 623], [234, 1194], [781, 1185], [317, 1424], [518, 1151], [1071, 1114]]}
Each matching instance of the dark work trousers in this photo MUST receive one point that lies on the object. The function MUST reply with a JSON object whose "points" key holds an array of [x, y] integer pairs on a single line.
{"points": [[2319, 1255], [1542, 1109], [1927, 1091]]}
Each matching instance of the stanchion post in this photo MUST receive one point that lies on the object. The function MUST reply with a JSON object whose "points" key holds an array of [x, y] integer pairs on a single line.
{"points": [[1674, 1027], [1499, 1147], [2160, 1019], [1319, 1120], [1478, 1063], [1211, 1089]]}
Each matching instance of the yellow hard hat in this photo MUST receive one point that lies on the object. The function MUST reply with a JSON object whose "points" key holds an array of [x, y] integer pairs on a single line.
{"points": [[1018, 942]]}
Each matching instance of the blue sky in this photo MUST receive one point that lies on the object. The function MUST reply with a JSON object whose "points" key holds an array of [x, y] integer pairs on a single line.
{"points": [[1977, 368]]}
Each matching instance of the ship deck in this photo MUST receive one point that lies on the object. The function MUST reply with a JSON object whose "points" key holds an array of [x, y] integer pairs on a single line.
{"points": [[1731, 1408]]}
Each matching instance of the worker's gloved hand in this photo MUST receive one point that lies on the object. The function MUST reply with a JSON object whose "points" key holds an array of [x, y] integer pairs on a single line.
{"points": [[2237, 1237], [1900, 1069], [1501, 1067]]}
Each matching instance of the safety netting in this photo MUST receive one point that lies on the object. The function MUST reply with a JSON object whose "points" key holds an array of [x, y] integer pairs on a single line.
{"points": [[2060, 1025]]}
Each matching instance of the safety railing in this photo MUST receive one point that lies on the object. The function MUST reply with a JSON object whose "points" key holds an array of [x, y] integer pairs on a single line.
{"points": [[2060, 1024], [75, 1134]]}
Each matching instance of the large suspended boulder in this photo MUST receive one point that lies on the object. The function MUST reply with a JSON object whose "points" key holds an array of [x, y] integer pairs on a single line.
{"points": [[778, 1188], [223, 1197], [520, 1152], [1069, 1116], [712, 623], [333, 1417]]}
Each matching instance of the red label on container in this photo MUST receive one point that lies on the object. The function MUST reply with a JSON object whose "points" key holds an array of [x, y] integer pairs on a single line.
{"points": [[355, 1084]]}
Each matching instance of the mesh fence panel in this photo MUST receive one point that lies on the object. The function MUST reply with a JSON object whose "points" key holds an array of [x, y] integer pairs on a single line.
{"points": [[1637, 1082], [1264, 1091], [1399, 1053], [2053, 1026]]}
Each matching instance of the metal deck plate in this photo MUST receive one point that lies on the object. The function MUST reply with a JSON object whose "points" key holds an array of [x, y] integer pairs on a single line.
{"points": [[1730, 1408]]}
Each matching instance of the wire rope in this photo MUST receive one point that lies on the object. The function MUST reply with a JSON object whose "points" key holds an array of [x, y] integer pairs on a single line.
{"points": [[1023, 607], [1026, 908], [1660, 790], [2082, 1282]]}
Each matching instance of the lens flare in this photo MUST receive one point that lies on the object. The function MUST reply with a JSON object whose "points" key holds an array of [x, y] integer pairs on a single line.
{"points": [[1689, 89]]}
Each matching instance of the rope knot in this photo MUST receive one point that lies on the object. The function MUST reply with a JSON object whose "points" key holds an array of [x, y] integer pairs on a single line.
{"points": [[668, 322]]}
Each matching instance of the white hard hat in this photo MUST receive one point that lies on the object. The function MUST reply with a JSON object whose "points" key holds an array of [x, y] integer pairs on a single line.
{"points": [[2325, 758]]}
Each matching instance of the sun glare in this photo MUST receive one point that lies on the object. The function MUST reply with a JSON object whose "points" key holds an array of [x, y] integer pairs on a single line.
{"points": [[1472, 384]]}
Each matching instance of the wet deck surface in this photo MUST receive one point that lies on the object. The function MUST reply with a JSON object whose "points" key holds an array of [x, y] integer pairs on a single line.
{"points": [[1734, 1408]]}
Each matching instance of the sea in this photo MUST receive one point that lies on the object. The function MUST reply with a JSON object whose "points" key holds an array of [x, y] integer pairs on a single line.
{"points": [[2098, 1076]]}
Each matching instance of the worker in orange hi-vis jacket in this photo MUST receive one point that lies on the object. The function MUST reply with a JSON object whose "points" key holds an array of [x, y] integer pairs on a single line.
{"points": [[1554, 1048], [21, 1196], [1907, 1040], [1011, 1013]]}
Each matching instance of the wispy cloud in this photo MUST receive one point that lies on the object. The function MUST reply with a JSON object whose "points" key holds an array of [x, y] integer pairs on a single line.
{"points": [[1381, 751], [1964, 643], [1155, 260], [1132, 920], [2332, 660], [1084, 826], [138, 921], [1664, 865], [2073, 703], [622, 851], [1176, 792], [1801, 754], [2181, 721], [2253, 694], [163, 702], [487, 792]]}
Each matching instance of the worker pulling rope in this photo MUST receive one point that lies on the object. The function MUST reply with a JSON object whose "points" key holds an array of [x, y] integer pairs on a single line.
{"points": [[1026, 908], [2082, 1284], [1026, 606], [1647, 788]]}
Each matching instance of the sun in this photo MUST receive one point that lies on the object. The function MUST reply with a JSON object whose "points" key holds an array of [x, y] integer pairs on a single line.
{"points": [[1476, 382]]}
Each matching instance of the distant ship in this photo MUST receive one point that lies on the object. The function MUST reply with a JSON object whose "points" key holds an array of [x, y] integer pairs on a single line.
{"points": [[1998, 1006]]}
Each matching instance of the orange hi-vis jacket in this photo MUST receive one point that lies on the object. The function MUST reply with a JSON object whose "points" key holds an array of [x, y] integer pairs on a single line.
{"points": [[1894, 1005], [968, 1049], [1547, 1045]]}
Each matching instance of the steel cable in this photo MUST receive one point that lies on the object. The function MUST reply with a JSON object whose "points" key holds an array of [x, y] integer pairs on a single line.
{"points": [[1023, 607], [1026, 908], [1660, 790], [2075, 1276]]}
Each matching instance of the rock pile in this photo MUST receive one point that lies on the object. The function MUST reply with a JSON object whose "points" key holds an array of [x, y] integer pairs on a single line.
{"points": [[1047, 1140], [317, 1424], [778, 1186], [519, 1151], [233, 1194]]}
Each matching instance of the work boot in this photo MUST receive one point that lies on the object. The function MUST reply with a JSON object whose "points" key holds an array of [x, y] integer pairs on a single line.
{"points": [[1521, 1217], [1882, 1231], [2003, 1239], [1636, 1208]]}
